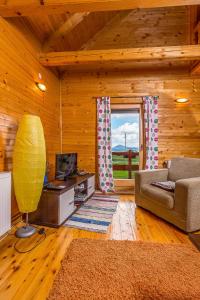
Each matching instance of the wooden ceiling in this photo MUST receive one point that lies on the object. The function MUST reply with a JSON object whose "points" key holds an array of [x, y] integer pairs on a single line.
{"points": [[108, 30], [158, 25], [67, 32]]}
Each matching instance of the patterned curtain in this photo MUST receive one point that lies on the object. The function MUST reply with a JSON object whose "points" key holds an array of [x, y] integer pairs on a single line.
{"points": [[151, 131], [104, 144]]}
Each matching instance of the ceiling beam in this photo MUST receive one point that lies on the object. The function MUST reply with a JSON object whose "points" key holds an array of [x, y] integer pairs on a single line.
{"points": [[172, 53], [13, 8], [64, 29]]}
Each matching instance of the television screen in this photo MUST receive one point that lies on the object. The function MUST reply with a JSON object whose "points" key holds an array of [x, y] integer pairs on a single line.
{"points": [[66, 165]]}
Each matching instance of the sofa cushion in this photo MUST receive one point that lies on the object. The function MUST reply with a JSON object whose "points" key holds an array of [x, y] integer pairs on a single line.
{"points": [[161, 197], [183, 167]]}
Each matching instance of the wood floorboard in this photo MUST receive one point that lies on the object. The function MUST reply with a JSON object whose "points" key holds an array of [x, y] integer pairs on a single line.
{"points": [[29, 276]]}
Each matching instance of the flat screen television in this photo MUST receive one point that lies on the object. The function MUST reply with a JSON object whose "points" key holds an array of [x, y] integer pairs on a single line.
{"points": [[66, 165]]}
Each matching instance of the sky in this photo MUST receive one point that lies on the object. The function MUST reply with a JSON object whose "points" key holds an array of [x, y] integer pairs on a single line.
{"points": [[125, 122]]}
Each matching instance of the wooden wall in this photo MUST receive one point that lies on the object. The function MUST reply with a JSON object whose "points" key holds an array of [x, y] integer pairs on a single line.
{"points": [[179, 130], [19, 69], [79, 119]]}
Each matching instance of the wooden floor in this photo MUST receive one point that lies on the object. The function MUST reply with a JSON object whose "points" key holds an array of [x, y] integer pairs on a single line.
{"points": [[30, 276]]}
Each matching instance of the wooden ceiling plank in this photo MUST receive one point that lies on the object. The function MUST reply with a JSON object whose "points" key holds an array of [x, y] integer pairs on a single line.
{"points": [[64, 29], [194, 34], [172, 53], [13, 8], [196, 69], [116, 19], [192, 21]]}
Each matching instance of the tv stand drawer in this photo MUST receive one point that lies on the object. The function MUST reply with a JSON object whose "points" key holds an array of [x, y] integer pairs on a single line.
{"points": [[66, 205], [90, 186]]}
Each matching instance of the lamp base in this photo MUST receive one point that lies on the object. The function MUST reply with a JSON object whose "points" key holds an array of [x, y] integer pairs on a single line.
{"points": [[25, 231]]}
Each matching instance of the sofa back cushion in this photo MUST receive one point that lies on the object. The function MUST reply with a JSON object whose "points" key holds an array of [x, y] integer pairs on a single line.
{"points": [[183, 167]]}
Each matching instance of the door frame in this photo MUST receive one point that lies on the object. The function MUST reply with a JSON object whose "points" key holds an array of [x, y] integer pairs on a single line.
{"points": [[116, 105]]}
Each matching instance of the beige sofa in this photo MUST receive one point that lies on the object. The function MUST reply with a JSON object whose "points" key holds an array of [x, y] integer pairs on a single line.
{"points": [[181, 207]]}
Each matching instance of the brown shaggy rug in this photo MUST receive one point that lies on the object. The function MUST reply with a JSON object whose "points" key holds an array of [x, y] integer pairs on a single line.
{"points": [[96, 269]]}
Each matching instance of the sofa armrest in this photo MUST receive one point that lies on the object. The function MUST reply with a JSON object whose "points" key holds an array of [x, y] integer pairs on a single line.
{"points": [[187, 198], [147, 177]]}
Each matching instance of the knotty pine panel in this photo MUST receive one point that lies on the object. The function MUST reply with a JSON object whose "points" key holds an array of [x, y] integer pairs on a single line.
{"points": [[19, 68], [79, 128], [179, 124], [83, 32], [144, 28]]}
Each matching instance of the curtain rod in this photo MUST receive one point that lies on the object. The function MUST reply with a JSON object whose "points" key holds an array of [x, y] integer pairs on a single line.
{"points": [[119, 97]]}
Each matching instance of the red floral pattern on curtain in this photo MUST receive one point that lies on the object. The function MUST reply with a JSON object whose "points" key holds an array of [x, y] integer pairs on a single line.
{"points": [[151, 131], [105, 170]]}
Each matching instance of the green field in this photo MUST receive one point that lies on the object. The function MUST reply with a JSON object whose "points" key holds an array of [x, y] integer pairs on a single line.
{"points": [[120, 160]]}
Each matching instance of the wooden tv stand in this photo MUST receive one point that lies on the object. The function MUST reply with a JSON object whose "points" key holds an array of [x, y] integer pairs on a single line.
{"points": [[55, 206]]}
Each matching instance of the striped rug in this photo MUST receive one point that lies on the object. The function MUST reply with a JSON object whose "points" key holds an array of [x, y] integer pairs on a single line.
{"points": [[94, 215]]}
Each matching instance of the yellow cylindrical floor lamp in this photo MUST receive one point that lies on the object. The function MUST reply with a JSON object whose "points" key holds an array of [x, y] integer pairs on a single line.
{"points": [[29, 163]]}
